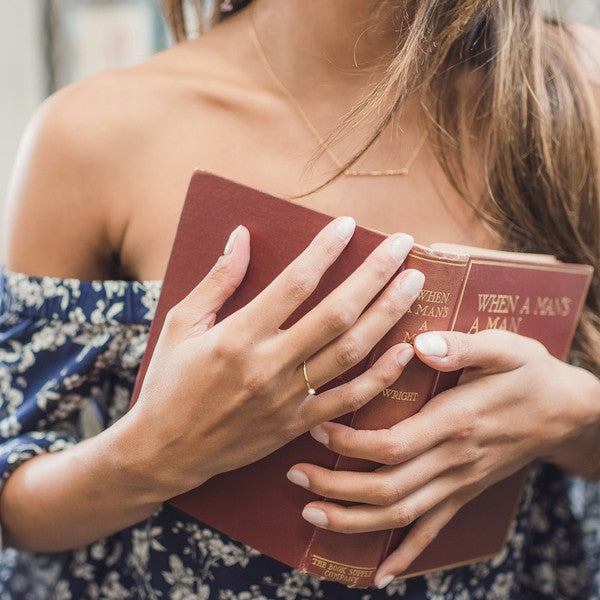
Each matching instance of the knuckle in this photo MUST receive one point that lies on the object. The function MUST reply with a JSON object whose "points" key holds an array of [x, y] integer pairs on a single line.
{"points": [[226, 351], [471, 453], [380, 272], [339, 318], [394, 450], [218, 275], [348, 352], [475, 482], [258, 382], [382, 269], [427, 535], [343, 441], [389, 373], [229, 348], [387, 492], [384, 266], [465, 428], [392, 307], [461, 348], [352, 401], [332, 246], [341, 525], [403, 515], [173, 317], [301, 284]]}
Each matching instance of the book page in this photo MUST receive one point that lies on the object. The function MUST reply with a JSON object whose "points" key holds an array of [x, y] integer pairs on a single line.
{"points": [[490, 253]]}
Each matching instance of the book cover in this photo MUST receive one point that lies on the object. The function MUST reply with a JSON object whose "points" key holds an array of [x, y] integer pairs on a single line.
{"points": [[256, 504]]}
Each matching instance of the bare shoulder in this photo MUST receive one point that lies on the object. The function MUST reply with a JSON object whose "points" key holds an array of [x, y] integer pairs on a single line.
{"points": [[83, 151], [55, 219]]}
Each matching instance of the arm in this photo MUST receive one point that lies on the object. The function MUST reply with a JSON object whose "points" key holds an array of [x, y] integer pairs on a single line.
{"points": [[161, 448], [579, 453], [71, 498], [515, 403], [54, 204]]}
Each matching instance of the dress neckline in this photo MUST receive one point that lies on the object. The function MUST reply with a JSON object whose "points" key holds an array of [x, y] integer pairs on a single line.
{"points": [[4, 270], [68, 299]]}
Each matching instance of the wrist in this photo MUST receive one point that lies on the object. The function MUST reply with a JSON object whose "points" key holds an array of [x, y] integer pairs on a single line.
{"points": [[148, 464]]}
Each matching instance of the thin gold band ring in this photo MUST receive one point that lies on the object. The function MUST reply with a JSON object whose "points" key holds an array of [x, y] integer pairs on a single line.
{"points": [[310, 388]]}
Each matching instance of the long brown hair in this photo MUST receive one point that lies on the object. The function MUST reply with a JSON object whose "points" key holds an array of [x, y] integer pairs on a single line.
{"points": [[531, 111]]}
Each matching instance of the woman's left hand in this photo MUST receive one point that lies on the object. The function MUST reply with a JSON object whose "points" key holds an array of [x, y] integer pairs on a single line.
{"points": [[514, 403]]}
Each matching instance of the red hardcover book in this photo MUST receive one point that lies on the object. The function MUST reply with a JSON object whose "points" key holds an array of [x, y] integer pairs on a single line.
{"points": [[468, 291]]}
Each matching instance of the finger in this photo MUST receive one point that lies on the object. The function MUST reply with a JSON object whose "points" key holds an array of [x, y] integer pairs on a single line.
{"points": [[365, 517], [491, 350], [421, 534], [350, 396], [451, 416], [410, 438], [197, 311], [336, 313], [381, 487], [355, 344], [299, 279]]}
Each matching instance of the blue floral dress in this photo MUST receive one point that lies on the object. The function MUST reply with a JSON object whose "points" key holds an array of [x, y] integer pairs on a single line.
{"points": [[69, 353]]}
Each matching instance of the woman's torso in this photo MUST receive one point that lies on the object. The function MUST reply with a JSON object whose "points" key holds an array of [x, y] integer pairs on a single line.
{"points": [[210, 104]]}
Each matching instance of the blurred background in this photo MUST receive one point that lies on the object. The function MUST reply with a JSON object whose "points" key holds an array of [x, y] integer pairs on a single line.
{"points": [[45, 44]]}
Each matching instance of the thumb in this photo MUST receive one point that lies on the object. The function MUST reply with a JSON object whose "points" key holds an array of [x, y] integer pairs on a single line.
{"points": [[490, 350], [199, 308]]}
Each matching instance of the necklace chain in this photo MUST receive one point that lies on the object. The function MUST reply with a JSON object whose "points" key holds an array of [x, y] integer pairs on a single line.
{"points": [[348, 172]]}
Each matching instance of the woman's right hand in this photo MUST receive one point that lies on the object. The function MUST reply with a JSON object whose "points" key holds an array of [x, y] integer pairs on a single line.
{"points": [[217, 397]]}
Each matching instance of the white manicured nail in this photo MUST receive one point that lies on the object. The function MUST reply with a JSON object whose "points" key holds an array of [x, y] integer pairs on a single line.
{"points": [[401, 245], [231, 241], [384, 581], [320, 434], [315, 516], [345, 226], [298, 477], [431, 344]]}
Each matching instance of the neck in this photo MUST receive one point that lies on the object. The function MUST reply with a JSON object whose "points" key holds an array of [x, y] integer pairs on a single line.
{"points": [[331, 43]]}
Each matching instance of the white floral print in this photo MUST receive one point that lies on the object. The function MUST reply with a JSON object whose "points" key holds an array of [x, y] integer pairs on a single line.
{"points": [[70, 348]]}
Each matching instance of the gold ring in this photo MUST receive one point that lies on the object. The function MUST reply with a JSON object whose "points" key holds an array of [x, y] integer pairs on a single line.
{"points": [[310, 388]]}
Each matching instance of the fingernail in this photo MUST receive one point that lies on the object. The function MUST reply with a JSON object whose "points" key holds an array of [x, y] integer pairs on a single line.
{"points": [[315, 516], [231, 241], [385, 580], [401, 245], [431, 344], [412, 282], [320, 434], [404, 356], [345, 226], [298, 477]]}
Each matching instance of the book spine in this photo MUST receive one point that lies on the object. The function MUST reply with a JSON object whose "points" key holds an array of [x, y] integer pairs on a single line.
{"points": [[352, 559]]}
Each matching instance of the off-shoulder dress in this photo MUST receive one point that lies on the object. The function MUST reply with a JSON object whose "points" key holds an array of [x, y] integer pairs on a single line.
{"points": [[69, 353]]}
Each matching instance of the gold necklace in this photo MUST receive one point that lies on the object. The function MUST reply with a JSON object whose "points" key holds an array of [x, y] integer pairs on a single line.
{"points": [[348, 172]]}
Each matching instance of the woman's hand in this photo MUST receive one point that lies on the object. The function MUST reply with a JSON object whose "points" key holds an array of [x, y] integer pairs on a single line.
{"points": [[514, 403], [217, 397]]}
